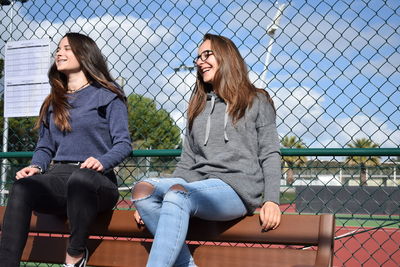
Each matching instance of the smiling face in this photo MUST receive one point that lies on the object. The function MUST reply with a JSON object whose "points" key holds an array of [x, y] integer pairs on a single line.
{"points": [[65, 59], [209, 66]]}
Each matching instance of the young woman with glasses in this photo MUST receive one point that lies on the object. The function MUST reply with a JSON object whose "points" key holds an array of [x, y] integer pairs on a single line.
{"points": [[230, 163], [83, 126]]}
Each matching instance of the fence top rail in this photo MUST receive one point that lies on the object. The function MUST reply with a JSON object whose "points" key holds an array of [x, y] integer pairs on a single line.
{"points": [[284, 152]]}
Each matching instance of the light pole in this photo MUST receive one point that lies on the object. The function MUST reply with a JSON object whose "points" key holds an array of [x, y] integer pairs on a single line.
{"points": [[187, 70], [271, 30]]}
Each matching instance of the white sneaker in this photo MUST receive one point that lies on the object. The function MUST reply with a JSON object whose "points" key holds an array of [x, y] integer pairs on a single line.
{"points": [[82, 262]]}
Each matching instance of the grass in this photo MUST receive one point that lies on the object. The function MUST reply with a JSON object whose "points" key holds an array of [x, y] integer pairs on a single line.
{"points": [[287, 197], [363, 220]]}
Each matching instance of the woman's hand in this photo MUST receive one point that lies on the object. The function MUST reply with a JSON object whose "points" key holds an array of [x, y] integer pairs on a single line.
{"points": [[138, 219], [270, 215], [92, 163], [27, 171]]}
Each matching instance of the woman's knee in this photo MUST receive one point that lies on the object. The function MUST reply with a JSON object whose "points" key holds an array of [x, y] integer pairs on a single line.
{"points": [[21, 188], [178, 187], [82, 178], [26, 191], [177, 194], [142, 190]]}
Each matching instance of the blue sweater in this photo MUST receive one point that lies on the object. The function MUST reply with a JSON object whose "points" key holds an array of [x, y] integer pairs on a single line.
{"points": [[99, 122]]}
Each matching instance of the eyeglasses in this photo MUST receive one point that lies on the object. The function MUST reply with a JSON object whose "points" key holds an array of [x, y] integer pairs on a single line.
{"points": [[203, 56]]}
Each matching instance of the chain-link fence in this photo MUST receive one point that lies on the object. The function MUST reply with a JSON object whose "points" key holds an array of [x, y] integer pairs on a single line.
{"points": [[332, 68]]}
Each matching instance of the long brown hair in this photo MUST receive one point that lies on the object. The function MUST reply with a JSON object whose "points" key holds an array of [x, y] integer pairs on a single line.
{"points": [[231, 81], [93, 66]]}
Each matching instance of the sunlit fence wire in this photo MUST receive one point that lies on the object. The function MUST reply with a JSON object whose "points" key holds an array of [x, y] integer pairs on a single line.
{"points": [[332, 68]]}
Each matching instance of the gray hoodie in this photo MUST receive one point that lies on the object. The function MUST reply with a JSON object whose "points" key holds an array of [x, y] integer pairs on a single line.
{"points": [[245, 155]]}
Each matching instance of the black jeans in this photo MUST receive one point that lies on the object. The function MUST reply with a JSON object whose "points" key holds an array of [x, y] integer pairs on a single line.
{"points": [[80, 194]]}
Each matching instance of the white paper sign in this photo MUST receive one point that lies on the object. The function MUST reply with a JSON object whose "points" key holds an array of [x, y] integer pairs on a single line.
{"points": [[26, 83]]}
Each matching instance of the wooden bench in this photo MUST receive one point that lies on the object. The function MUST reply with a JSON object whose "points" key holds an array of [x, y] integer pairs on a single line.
{"points": [[117, 241]]}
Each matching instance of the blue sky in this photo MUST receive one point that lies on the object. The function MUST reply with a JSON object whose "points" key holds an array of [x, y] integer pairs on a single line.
{"points": [[334, 69]]}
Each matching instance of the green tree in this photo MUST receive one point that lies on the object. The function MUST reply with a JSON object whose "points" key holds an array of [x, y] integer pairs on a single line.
{"points": [[363, 161], [21, 134], [151, 128], [289, 162]]}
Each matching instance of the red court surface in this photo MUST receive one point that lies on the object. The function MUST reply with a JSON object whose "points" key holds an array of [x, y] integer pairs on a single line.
{"points": [[369, 249], [373, 248]]}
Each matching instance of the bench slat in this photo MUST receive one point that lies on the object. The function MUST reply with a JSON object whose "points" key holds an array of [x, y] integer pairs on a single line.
{"points": [[248, 229], [128, 253]]}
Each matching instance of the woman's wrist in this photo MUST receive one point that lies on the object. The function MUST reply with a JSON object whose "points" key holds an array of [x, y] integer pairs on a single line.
{"points": [[36, 167]]}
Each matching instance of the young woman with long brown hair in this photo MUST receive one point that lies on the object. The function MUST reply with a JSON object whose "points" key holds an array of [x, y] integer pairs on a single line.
{"points": [[83, 127], [230, 162]]}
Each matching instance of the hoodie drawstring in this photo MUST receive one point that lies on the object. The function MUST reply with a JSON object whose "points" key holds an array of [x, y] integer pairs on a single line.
{"points": [[225, 123], [208, 125]]}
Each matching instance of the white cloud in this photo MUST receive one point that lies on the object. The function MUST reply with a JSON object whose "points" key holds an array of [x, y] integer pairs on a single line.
{"points": [[177, 91], [301, 111], [362, 126]]}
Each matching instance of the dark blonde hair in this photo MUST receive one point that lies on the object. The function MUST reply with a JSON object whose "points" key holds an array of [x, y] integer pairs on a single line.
{"points": [[93, 66], [231, 81]]}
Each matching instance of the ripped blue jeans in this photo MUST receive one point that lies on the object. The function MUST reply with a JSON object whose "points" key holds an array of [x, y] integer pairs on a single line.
{"points": [[166, 205]]}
